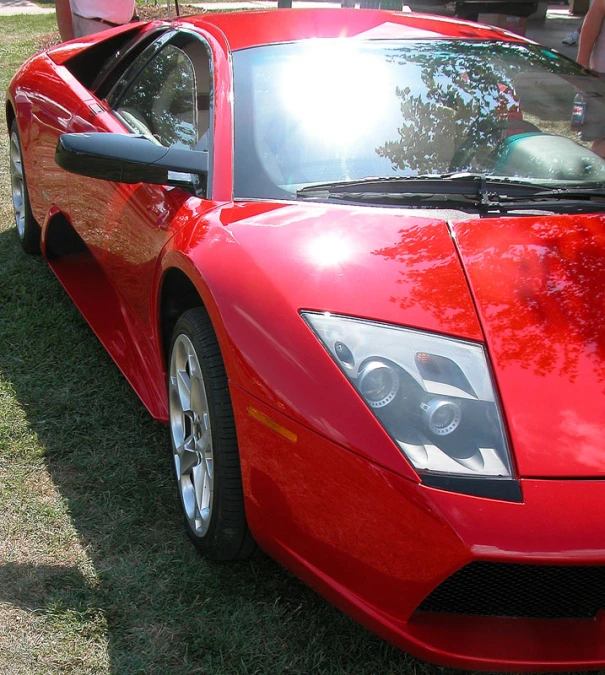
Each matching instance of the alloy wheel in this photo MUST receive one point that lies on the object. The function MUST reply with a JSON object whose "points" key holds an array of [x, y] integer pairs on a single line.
{"points": [[17, 184], [191, 435]]}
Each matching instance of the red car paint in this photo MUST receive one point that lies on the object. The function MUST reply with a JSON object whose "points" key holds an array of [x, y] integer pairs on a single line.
{"points": [[538, 284], [363, 531]]}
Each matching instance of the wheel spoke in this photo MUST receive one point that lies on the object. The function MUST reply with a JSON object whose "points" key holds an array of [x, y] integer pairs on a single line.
{"points": [[204, 437], [207, 497], [15, 157], [209, 465], [188, 458], [199, 402], [16, 170], [193, 366], [183, 383], [198, 475]]}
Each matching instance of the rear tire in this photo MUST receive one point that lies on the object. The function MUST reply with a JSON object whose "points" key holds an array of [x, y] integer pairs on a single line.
{"points": [[204, 442], [28, 229]]}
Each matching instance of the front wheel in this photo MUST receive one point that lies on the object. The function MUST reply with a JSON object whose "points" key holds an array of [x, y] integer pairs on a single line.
{"points": [[204, 443], [28, 229]]}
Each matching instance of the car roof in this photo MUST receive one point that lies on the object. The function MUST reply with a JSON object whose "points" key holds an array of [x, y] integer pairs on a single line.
{"points": [[243, 30], [252, 29]]}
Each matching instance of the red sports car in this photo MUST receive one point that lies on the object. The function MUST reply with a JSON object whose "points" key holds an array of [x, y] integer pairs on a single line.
{"points": [[356, 261]]}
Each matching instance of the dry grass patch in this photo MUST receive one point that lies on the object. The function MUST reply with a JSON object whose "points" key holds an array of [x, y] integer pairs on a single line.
{"points": [[32, 643]]}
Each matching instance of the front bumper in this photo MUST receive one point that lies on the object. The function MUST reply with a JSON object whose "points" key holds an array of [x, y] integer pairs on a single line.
{"points": [[556, 525], [377, 545]]}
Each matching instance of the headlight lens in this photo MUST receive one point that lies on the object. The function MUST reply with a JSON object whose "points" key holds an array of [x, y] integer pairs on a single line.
{"points": [[434, 395]]}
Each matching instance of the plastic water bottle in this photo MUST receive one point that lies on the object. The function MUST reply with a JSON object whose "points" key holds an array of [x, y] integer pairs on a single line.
{"points": [[578, 112]]}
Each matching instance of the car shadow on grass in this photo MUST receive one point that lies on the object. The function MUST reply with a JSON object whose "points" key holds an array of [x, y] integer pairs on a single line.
{"points": [[33, 586], [164, 608]]}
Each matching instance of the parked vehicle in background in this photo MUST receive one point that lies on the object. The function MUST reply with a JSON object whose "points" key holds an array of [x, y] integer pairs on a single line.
{"points": [[471, 9], [465, 9]]}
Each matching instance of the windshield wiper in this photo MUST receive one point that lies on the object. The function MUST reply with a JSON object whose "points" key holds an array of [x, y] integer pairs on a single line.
{"points": [[483, 192], [473, 184], [563, 193]]}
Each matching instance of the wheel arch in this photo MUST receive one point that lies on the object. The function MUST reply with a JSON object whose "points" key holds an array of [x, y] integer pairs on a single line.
{"points": [[181, 287], [59, 235], [177, 294], [11, 115], [18, 108]]}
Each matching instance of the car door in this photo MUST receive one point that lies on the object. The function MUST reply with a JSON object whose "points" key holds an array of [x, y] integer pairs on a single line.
{"points": [[91, 201], [165, 95], [168, 101]]}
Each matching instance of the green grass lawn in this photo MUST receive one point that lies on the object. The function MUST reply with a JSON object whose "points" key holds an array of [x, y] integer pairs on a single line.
{"points": [[96, 575]]}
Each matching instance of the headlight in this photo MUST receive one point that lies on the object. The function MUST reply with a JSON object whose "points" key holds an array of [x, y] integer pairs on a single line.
{"points": [[434, 396]]}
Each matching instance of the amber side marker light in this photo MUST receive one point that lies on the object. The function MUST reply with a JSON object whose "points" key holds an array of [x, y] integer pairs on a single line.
{"points": [[272, 424]]}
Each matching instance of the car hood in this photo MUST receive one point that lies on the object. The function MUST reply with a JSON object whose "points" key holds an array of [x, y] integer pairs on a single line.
{"points": [[539, 288], [392, 265], [265, 262]]}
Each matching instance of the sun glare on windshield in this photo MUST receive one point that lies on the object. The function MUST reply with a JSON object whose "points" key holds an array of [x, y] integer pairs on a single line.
{"points": [[321, 90]]}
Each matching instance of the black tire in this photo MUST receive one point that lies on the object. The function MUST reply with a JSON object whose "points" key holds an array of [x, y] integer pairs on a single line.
{"points": [[28, 230], [203, 435]]}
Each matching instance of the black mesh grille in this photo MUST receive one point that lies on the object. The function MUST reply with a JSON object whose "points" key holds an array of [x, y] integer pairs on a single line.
{"points": [[537, 591]]}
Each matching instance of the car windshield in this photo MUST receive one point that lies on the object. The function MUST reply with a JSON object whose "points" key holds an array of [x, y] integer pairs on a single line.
{"points": [[322, 111]]}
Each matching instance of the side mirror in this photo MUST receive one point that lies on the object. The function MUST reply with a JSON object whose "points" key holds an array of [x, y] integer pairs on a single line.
{"points": [[124, 158]]}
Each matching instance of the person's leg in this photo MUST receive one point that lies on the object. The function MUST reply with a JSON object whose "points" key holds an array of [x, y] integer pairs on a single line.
{"points": [[598, 147], [64, 21]]}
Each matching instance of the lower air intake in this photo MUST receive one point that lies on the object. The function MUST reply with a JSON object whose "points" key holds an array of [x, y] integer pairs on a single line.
{"points": [[532, 591]]}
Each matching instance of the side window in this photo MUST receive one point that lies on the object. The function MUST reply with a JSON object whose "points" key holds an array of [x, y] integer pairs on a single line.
{"points": [[163, 101]]}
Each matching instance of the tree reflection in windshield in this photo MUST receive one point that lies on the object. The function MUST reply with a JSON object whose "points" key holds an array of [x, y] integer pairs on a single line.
{"points": [[464, 108]]}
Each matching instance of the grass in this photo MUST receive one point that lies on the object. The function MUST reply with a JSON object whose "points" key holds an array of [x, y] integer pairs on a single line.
{"points": [[96, 574]]}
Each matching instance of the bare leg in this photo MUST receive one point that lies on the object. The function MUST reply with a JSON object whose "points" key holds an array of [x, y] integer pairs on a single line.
{"points": [[64, 19]]}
